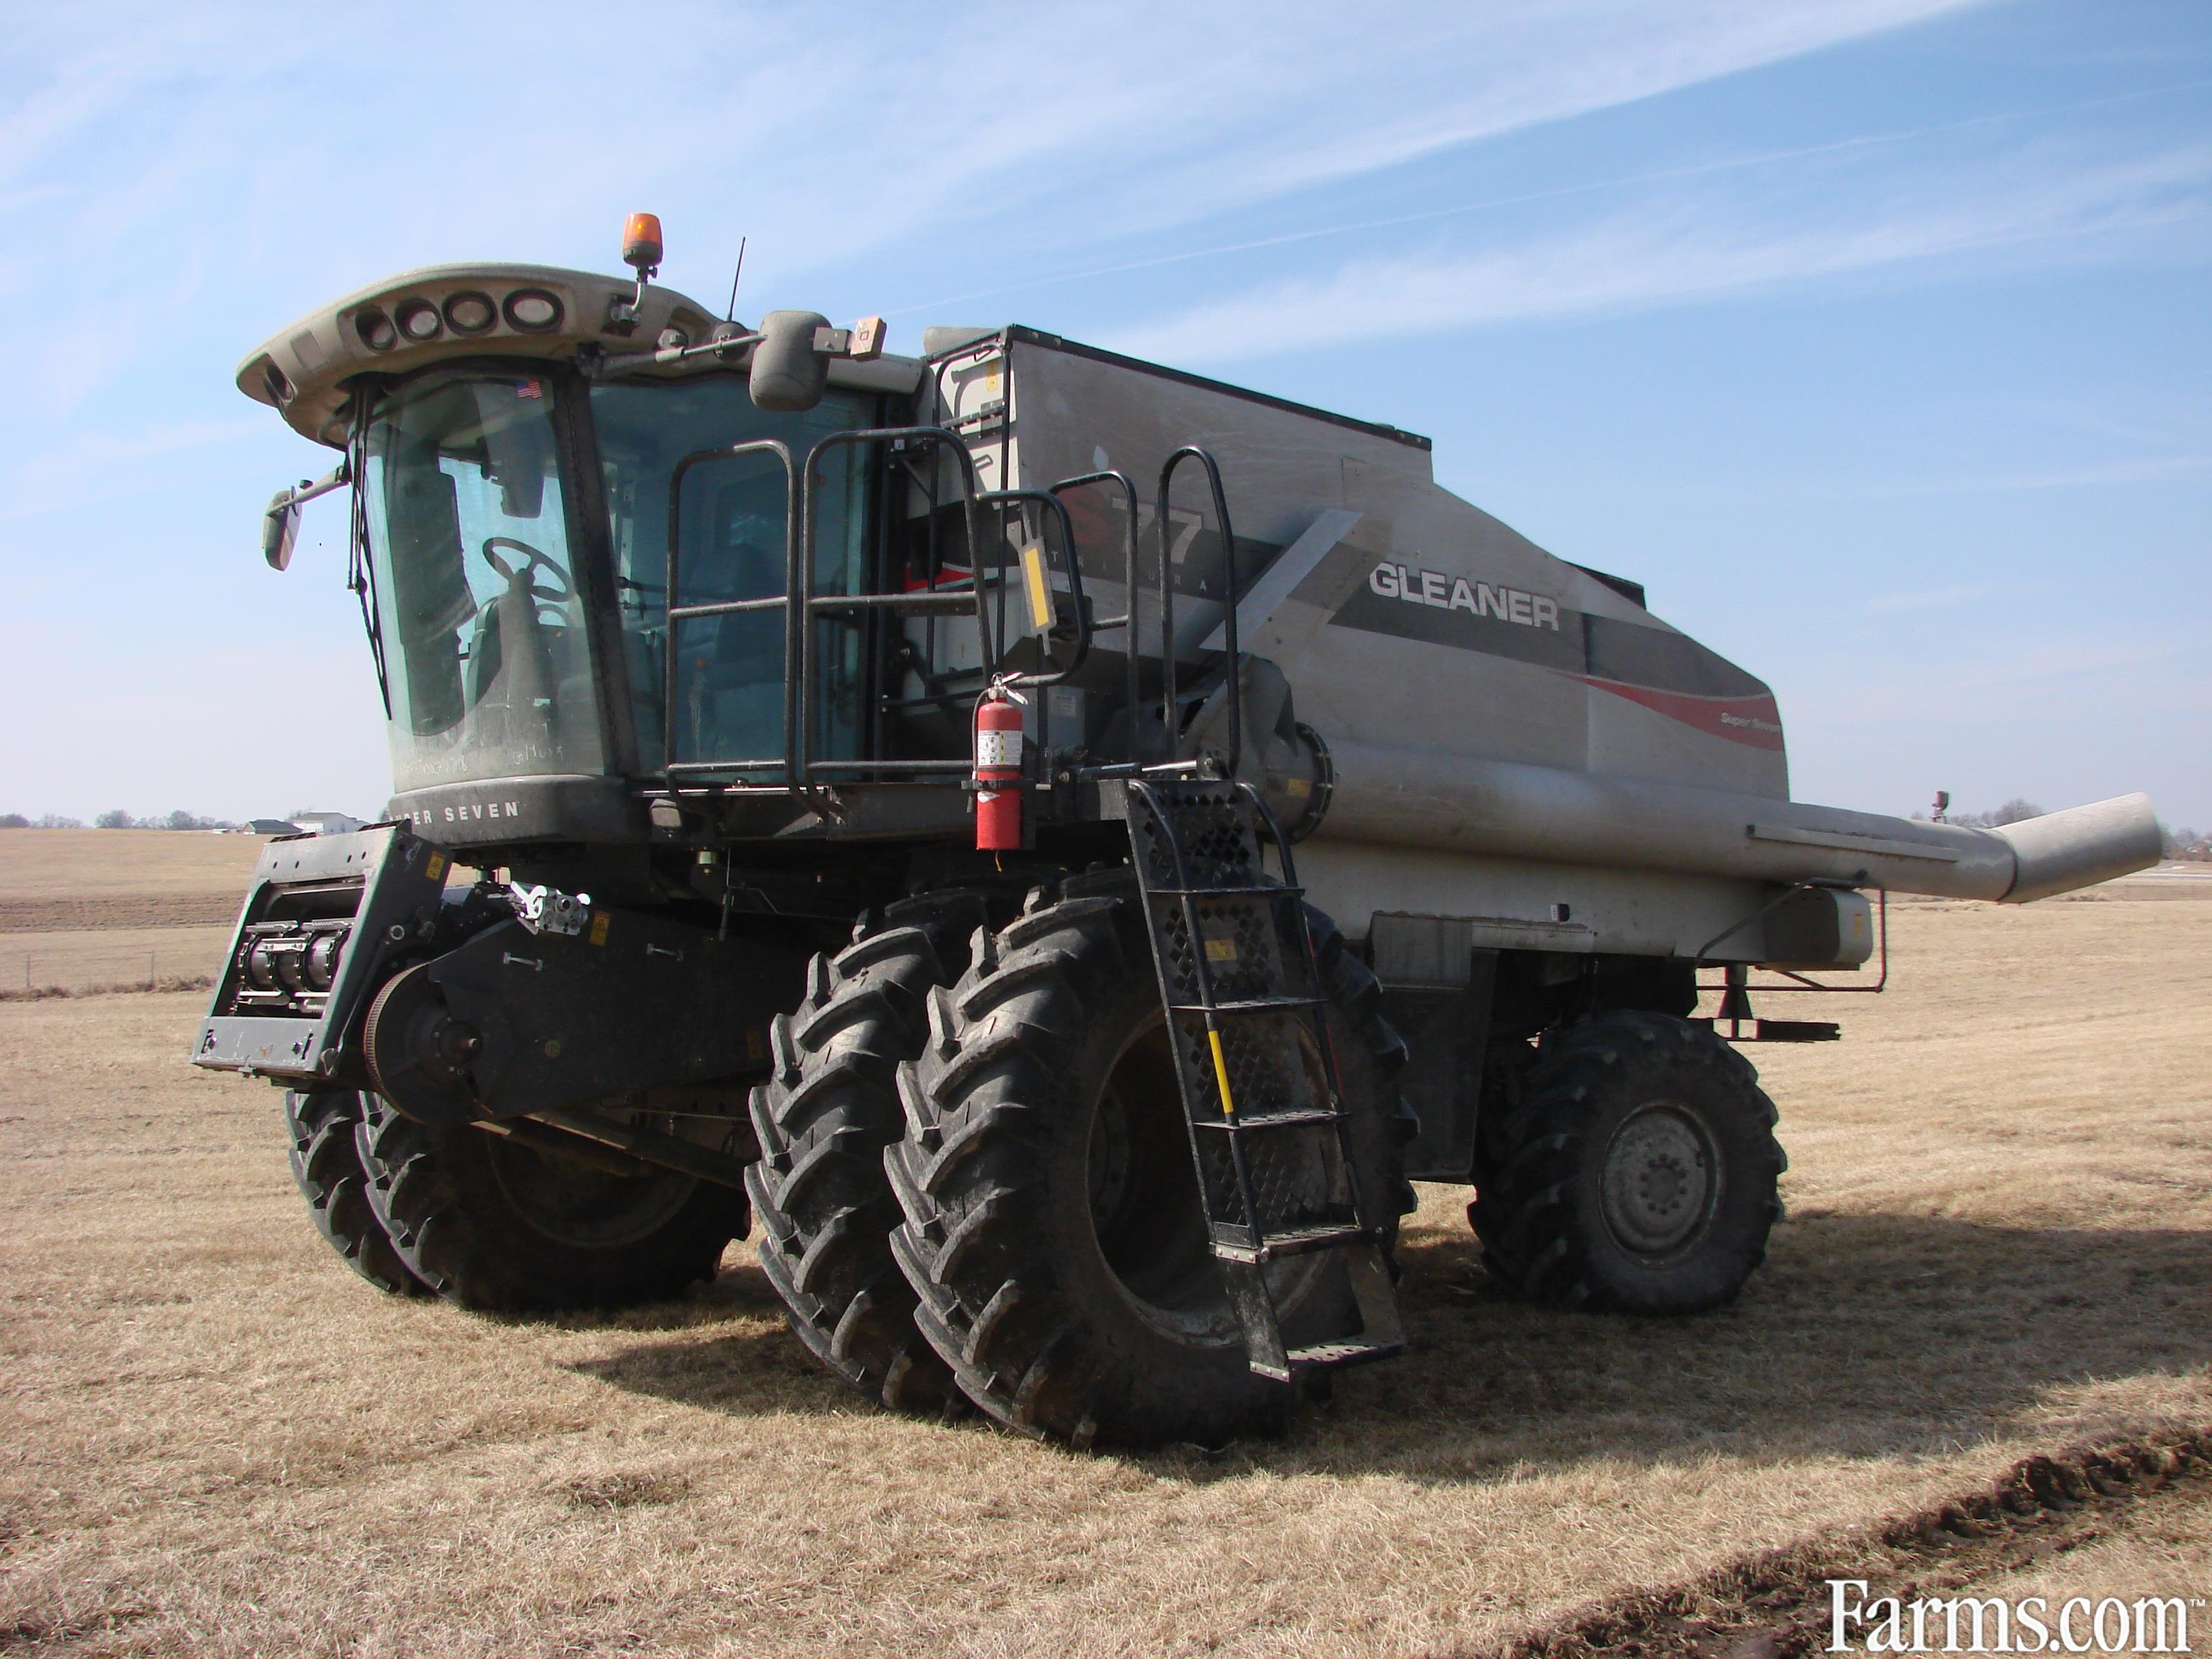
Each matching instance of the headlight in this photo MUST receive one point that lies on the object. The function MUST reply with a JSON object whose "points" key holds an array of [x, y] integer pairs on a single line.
{"points": [[533, 311], [470, 313], [419, 321], [375, 331]]}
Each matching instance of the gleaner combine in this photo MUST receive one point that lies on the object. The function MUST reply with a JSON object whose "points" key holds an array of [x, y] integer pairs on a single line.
{"points": [[882, 804]]}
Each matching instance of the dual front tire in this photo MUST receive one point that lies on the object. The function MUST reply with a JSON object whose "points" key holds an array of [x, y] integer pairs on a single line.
{"points": [[495, 1224], [825, 1119], [1052, 1230], [502, 1226], [976, 1186]]}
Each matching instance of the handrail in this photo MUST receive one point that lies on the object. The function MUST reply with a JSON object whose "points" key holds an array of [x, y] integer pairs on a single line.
{"points": [[1127, 621], [802, 605], [1045, 498], [673, 613], [799, 689], [1192, 452]]}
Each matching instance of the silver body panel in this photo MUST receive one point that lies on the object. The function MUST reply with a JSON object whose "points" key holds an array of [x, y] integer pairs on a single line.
{"points": [[1514, 738]]}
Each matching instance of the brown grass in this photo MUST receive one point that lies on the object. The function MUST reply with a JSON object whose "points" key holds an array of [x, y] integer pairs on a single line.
{"points": [[78, 962], [219, 1442]]}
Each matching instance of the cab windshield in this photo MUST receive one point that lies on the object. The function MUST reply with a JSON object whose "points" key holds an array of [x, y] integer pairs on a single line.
{"points": [[488, 659], [488, 667]]}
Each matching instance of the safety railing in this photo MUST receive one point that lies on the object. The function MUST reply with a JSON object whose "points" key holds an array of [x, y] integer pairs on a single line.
{"points": [[984, 596], [1130, 620], [677, 615]]}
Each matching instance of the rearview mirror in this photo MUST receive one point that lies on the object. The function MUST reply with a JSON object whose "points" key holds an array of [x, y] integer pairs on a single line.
{"points": [[788, 375], [280, 525], [280, 528]]}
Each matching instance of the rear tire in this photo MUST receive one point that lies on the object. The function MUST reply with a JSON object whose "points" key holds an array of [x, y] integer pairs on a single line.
{"points": [[495, 1226], [1633, 1170], [1054, 1231], [326, 1165], [829, 1107]]}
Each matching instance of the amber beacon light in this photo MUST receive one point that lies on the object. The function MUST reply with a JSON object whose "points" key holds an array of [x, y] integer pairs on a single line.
{"points": [[642, 243]]}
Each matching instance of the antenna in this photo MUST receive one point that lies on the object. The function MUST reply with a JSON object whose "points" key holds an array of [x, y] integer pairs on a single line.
{"points": [[739, 273]]}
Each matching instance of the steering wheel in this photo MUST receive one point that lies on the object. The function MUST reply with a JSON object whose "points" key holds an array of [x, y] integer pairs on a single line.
{"points": [[523, 575]]}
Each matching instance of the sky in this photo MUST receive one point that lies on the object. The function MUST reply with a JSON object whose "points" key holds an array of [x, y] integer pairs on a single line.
{"points": [[1872, 336]]}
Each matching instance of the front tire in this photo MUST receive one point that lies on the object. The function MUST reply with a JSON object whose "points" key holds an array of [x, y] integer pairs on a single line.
{"points": [[1053, 1231], [829, 1108], [494, 1225], [326, 1167], [1633, 1170]]}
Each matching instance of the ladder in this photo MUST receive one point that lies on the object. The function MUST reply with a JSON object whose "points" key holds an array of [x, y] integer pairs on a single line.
{"points": [[1268, 1129]]}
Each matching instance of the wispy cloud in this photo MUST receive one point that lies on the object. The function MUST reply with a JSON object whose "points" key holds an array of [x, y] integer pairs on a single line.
{"points": [[847, 127], [97, 467], [1670, 253], [1929, 599], [1439, 215]]}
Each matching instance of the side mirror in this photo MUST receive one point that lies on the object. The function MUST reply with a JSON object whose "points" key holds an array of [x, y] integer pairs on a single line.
{"points": [[280, 528], [280, 525], [788, 374]]}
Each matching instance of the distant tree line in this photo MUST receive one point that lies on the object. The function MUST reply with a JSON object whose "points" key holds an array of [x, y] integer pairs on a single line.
{"points": [[117, 819], [2013, 811]]}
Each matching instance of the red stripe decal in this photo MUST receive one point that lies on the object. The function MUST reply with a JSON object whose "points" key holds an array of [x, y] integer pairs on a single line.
{"points": [[1755, 721]]}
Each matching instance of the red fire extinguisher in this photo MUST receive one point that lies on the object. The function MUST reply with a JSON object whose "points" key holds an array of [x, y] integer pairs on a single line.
{"points": [[997, 772]]}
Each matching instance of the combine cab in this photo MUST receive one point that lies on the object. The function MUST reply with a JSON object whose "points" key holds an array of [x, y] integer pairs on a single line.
{"points": [[885, 806]]}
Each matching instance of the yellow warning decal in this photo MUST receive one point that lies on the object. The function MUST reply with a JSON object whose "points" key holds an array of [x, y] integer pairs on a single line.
{"points": [[599, 928], [1221, 950], [435, 868], [1221, 1075], [1033, 581], [1297, 788]]}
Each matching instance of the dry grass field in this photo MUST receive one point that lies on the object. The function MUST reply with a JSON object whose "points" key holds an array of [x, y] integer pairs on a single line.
{"points": [[124, 864], [218, 1442], [81, 908]]}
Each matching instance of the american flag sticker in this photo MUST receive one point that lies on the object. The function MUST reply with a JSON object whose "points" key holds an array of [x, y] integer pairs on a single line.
{"points": [[531, 389]]}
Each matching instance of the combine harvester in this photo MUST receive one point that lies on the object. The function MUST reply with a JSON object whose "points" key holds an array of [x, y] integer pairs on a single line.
{"points": [[910, 821]]}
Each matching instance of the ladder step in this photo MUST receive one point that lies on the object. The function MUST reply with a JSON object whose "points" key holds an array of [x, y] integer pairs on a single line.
{"points": [[1298, 1241], [1271, 889], [1271, 1120], [1322, 1355], [1252, 1005]]}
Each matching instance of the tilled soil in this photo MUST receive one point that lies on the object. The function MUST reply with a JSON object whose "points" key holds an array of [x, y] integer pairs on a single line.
{"points": [[1778, 1604], [71, 915]]}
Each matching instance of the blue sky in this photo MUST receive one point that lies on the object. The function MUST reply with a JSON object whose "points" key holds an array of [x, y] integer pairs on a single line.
{"points": [[1871, 335]]}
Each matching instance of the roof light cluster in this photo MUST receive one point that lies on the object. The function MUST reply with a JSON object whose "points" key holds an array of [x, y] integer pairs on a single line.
{"points": [[468, 312]]}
